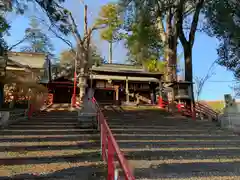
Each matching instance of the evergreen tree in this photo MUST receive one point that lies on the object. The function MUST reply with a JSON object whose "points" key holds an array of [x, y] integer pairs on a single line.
{"points": [[4, 27], [37, 41]]}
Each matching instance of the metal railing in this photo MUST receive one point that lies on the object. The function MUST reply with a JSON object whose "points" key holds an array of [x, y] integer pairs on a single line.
{"points": [[110, 148]]}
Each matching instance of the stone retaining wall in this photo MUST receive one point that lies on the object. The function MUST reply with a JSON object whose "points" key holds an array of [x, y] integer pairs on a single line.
{"points": [[231, 121], [9, 117]]}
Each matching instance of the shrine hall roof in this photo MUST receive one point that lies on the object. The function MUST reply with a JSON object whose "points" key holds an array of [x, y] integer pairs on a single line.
{"points": [[124, 70]]}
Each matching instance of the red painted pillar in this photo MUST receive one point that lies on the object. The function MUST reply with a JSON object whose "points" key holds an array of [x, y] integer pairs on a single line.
{"points": [[179, 107], [160, 102]]}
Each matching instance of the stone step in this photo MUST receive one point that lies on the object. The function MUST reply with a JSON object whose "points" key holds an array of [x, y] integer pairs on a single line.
{"points": [[51, 145], [186, 144], [180, 153], [42, 126], [159, 132], [162, 146], [55, 170], [23, 147], [171, 137], [46, 132], [39, 138], [53, 123], [189, 170], [24, 154]]}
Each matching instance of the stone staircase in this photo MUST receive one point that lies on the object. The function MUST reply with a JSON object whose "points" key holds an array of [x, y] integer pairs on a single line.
{"points": [[163, 146], [50, 146]]}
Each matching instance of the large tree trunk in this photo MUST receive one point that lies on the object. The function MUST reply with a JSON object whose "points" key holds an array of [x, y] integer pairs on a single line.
{"points": [[188, 62], [84, 68], [188, 68], [82, 78], [82, 86], [171, 46], [173, 58]]}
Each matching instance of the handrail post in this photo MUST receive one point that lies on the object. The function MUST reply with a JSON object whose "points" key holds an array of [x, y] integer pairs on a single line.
{"points": [[111, 168]]}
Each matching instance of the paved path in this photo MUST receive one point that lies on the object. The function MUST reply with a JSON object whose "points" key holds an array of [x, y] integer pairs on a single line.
{"points": [[160, 146], [50, 146]]}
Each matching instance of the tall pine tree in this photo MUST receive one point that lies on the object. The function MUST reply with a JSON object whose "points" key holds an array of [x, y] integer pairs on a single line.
{"points": [[37, 41]]}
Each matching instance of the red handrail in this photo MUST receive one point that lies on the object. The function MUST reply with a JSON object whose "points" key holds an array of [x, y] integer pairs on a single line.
{"points": [[206, 110], [162, 103], [109, 147], [186, 111]]}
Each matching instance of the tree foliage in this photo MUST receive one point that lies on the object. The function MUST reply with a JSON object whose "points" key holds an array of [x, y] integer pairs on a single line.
{"points": [[4, 27], [223, 20], [143, 42], [155, 65], [36, 40], [171, 18], [67, 57], [109, 18]]}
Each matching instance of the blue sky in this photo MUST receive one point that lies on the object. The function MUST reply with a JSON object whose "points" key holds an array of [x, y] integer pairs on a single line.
{"points": [[204, 51]]}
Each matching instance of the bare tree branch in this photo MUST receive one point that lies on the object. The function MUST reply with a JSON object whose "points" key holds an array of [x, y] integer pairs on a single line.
{"points": [[90, 31], [60, 37], [75, 31], [19, 42], [201, 81], [51, 28]]}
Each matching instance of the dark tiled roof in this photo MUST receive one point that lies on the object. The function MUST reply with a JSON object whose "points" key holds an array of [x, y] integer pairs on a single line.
{"points": [[104, 68]]}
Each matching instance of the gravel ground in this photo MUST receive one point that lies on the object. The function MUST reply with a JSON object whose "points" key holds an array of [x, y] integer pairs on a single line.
{"points": [[50, 146], [162, 146]]}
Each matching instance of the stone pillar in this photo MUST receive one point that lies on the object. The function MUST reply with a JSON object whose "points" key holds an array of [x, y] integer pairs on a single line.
{"points": [[127, 91]]}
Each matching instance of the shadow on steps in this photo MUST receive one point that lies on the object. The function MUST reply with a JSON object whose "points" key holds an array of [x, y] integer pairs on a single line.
{"points": [[160, 145], [94, 172]]}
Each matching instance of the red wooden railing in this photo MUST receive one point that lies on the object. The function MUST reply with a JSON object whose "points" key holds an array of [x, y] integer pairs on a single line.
{"points": [[186, 111], [162, 103], [110, 148], [205, 110], [199, 108]]}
